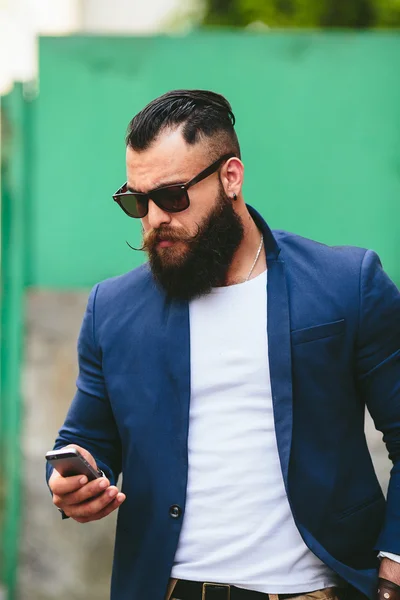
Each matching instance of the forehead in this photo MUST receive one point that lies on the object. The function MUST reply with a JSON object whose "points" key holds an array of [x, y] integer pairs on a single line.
{"points": [[169, 159]]}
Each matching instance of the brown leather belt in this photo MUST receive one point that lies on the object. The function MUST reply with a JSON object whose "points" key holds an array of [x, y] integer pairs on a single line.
{"points": [[197, 590]]}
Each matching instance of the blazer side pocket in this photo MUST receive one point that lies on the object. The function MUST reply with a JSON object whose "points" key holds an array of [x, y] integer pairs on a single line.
{"points": [[318, 332], [360, 506]]}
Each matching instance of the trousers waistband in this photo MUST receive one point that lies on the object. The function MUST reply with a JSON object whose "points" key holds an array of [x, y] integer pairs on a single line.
{"points": [[198, 590]]}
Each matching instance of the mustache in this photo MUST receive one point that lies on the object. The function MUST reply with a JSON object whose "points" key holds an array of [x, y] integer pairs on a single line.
{"points": [[162, 234]]}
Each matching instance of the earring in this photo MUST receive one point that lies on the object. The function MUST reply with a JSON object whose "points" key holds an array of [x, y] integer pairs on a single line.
{"points": [[234, 197]]}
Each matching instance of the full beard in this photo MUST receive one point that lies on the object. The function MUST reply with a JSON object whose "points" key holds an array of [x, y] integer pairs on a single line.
{"points": [[208, 256]]}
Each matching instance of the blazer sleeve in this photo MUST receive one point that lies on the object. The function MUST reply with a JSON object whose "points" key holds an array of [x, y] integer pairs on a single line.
{"points": [[90, 422], [378, 371]]}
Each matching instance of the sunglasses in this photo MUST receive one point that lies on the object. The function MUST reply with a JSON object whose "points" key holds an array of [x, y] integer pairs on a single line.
{"points": [[170, 198]]}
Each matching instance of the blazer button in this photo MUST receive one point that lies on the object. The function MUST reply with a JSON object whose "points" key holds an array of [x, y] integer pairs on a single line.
{"points": [[175, 511]]}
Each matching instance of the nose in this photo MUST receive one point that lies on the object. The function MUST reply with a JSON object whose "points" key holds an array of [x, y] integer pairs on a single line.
{"points": [[156, 216]]}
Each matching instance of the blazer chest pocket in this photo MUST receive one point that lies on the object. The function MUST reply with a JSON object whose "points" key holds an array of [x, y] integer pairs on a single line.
{"points": [[318, 332]]}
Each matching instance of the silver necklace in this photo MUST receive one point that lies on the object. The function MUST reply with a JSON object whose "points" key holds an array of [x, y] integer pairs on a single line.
{"points": [[256, 258]]}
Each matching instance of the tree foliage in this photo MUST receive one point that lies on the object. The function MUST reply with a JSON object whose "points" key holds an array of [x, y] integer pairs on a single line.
{"points": [[354, 14]]}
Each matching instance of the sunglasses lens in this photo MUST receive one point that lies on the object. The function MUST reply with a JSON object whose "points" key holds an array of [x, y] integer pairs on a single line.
{"points": [[171, 199], [134, 205]]}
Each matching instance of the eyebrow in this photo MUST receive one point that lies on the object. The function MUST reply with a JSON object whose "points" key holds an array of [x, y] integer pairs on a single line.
{"points": [[158, 186]]}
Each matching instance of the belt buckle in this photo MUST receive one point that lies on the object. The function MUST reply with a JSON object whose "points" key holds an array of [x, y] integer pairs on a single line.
{"points": [[204, 595]]}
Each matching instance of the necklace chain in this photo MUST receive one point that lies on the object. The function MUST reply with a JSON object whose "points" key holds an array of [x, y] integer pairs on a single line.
{"points": [[256, 258]]}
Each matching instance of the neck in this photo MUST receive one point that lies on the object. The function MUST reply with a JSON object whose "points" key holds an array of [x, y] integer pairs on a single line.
{"points": [[244, 256]]}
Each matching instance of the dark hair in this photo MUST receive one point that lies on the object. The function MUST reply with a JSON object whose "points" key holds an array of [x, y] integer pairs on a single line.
{"points": [[203, 115]]}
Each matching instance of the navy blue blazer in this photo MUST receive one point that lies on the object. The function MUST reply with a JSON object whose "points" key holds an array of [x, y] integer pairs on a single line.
{"points": [[333, 338]]}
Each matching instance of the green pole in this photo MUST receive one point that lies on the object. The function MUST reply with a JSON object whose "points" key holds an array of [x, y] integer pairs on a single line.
{"points": [[13, 255]]}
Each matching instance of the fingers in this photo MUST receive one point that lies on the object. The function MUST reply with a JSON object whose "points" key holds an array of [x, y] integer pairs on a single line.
{"points": [[80, 490], [113, 505], [65, 485], [96, 508], [86, 491]]}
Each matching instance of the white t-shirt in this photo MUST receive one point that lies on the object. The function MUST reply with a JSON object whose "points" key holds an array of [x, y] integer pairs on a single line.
{"points": [[238, 527]]}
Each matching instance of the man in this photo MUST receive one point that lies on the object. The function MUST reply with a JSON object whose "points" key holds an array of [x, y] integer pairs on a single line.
{"points": [[227, 380]]}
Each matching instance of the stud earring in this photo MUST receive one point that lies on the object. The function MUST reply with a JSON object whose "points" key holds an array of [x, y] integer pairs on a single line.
{"points": [[234, 197]]}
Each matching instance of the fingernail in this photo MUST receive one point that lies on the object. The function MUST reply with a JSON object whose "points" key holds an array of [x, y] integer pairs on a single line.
{"points": [[112, 493], [103, 484], [120, 497], [83, 480]]}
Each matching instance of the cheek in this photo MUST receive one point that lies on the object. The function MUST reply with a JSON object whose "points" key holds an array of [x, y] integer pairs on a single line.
{"points": [[202, 204]]}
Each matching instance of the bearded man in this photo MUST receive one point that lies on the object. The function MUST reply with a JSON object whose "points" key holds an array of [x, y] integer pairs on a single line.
{"points": [[227, 379]]}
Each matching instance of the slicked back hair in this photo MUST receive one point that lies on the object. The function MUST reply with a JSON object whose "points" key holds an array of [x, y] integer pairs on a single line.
{"points": [[204, 117]]}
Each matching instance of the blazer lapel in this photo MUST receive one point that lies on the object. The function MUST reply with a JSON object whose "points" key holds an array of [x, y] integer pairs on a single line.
{"points": [[280, 364], [177, 354], [279, 344]]}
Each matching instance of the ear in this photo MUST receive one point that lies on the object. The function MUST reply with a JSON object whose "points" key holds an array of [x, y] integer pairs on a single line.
{"points": [[231, 176]]}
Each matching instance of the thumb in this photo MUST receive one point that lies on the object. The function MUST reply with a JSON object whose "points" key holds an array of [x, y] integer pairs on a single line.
{"points": [[55, 475]]}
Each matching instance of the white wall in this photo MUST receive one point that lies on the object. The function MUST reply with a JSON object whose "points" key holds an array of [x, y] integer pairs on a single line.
{"points": [[21, 21], [126, 16]]}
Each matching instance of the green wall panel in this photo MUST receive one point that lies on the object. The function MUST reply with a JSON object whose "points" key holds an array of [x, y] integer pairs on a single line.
{"points": [[318, 117]]}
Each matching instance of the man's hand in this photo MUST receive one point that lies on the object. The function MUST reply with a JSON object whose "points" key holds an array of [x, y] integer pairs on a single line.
{"points": [[81, 500], [390, 570]]}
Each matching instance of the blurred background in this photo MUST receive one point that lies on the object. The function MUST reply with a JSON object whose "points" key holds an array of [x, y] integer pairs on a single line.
{"points": [[315, 86]]}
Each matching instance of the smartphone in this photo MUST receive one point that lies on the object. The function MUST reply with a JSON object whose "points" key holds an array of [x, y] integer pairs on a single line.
{"points": [[68, 462]]}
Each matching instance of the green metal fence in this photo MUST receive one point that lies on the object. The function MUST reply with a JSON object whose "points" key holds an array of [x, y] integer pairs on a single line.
{"points": [[14, 202]]}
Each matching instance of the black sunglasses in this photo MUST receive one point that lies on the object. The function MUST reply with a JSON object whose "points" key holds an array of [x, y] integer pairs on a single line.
{"points": [[170, 198]]}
